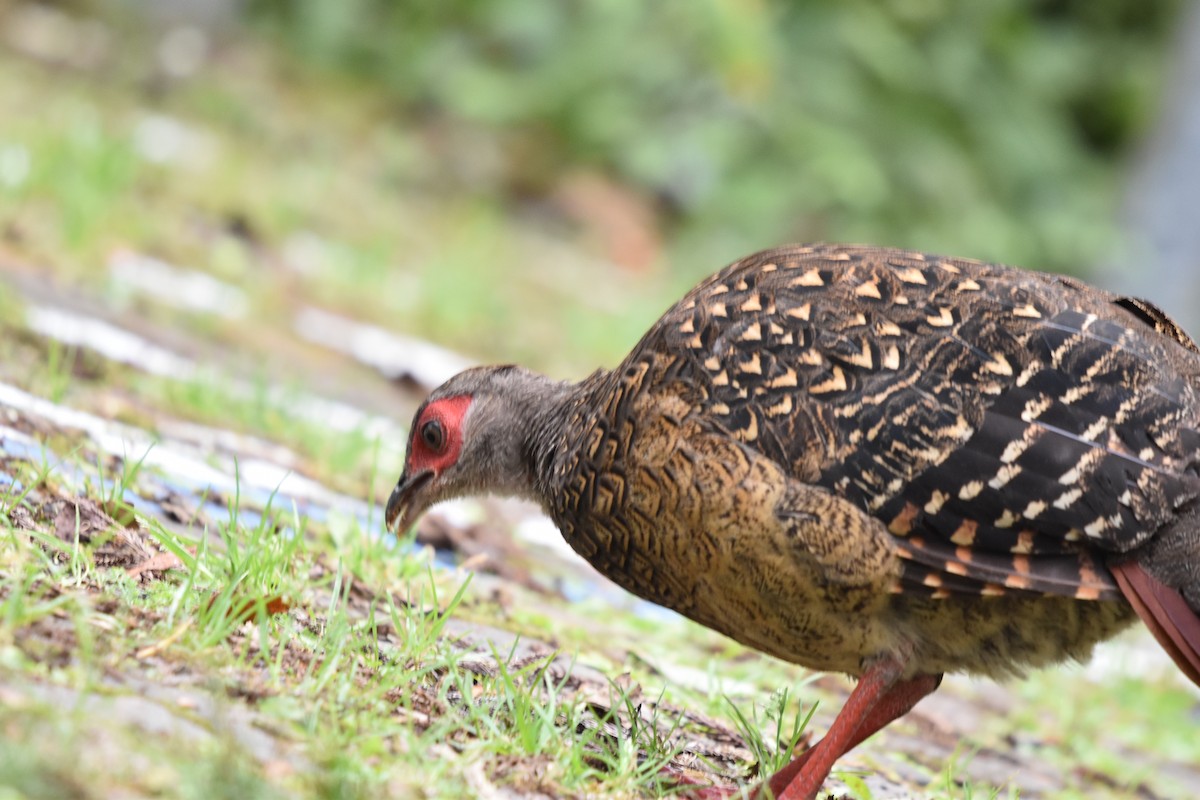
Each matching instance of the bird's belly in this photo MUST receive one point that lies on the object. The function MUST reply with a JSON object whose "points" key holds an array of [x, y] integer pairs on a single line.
{"points": [[744, 587], [758, 594], [999, 636]]}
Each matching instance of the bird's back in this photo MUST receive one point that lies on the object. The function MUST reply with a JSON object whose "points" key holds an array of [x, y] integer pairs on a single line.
{"points": [[1005, 425], [1008, 432]]}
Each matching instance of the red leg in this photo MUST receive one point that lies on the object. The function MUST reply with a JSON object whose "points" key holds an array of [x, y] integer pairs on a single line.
{"points": [[877, 700]]}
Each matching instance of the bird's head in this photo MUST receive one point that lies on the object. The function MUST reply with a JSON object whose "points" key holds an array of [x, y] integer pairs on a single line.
{"points": [[469, 437]]}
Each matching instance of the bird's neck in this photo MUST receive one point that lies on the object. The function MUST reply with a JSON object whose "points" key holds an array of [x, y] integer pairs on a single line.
{"points": [[557, 425]]}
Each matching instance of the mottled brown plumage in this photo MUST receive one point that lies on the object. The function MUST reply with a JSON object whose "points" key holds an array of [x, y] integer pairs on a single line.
{"points": [[868, 461]]}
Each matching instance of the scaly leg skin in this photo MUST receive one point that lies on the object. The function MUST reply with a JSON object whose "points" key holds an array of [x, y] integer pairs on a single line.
{"points": [[883, 699], [879, 698]]}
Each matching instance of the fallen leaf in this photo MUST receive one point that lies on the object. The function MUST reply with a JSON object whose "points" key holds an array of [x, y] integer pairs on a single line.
{"points": [[245, 610], [160, 562]]}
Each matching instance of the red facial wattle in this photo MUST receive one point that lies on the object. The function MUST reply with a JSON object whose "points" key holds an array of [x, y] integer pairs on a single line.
{"points": [[449, 411]]}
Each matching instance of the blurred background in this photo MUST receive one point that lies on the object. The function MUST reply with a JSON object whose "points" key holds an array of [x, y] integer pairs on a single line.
{"points": [[240, 240], [532, 181]]}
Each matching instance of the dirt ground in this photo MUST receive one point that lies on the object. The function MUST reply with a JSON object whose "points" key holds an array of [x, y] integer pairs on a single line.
{"points": [[147, 691]]}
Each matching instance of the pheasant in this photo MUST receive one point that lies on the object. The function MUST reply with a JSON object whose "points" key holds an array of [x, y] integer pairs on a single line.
{"points": [[864, 460]]}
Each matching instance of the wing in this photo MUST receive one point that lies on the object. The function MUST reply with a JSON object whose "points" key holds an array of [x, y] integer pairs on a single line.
{"points": [[1010, 428]]}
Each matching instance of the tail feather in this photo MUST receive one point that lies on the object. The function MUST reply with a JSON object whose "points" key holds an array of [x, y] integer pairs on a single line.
{"points": [[1168, 616]]}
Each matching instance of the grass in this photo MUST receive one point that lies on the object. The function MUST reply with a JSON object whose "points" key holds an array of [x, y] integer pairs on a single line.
{"points": [[372, 687], [348, 649], [55, 755], [342, 459], [772, 754], [283, 655], [336, 223]]}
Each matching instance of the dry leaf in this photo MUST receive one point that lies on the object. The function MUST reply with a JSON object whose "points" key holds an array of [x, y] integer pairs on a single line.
{"points": [[160, 562], [247, 609]]}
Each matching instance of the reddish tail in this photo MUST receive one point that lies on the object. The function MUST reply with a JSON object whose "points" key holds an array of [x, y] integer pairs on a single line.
{"points": [[1168, 616]]}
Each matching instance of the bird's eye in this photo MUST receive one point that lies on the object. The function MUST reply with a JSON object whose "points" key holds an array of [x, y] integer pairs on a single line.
{"points": [[433, 435]]}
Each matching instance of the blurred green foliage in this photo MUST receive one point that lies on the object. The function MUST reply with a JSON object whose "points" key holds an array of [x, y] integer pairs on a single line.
{"points": [[987, 128]]}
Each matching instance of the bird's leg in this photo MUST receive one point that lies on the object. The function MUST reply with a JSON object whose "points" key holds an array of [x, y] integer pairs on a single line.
{"points": [[878, 699]]}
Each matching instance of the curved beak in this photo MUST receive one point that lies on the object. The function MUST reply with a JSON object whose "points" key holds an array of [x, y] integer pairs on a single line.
{"points": [[405, 504]]}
